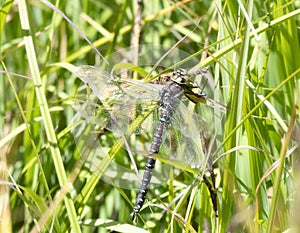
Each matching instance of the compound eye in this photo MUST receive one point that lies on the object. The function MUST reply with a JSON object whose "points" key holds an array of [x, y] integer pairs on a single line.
{"points": [[179, 79], [179, 76], [181, 72]]}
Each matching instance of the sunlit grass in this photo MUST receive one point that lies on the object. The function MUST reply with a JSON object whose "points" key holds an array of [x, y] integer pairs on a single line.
{"points": [[44, 186]]}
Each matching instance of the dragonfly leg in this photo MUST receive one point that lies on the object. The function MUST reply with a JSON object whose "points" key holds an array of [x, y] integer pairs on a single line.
{"points": [[210, 185]]}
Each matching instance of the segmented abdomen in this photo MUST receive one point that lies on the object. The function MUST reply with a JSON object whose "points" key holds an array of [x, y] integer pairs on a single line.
{"points": [[169, 101]]}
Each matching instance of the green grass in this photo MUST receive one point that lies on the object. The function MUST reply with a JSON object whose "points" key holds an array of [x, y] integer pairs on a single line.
{"points": [[44, 186]]}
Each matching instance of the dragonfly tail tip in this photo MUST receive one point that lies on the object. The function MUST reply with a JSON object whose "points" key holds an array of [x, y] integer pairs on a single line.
{"points": [[133, 217]]}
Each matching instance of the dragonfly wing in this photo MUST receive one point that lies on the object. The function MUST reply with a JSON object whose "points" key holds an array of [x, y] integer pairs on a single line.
{"points": [[216, 104], [118, 99], [127, 108], [182, 141], [124, 107], [106, 85]]}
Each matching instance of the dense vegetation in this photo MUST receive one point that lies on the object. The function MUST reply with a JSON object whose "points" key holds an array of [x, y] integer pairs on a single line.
{"points": [[252, 50]]}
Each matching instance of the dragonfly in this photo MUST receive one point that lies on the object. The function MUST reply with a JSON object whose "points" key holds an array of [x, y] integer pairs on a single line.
{"points": [[116, 103]]}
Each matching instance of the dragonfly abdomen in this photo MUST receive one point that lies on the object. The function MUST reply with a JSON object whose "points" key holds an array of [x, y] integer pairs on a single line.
{"points": [[170, 99], [157, 140], [144, 187]]}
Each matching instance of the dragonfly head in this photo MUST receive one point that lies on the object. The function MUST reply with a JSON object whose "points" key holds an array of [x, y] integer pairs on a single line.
{"points": [[179, 76], [191, 89]]}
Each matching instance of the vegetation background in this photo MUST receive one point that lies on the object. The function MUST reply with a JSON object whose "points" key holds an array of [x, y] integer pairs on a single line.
{"points": [[252, 48]]}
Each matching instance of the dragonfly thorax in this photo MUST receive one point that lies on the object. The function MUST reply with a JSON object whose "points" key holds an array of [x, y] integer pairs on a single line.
{"points": [[168, 93]]}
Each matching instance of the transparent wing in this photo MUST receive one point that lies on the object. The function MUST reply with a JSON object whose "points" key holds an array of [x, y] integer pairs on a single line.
{"points": [[106, 85], [183, 142], [129, 110], [121, 98]]}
